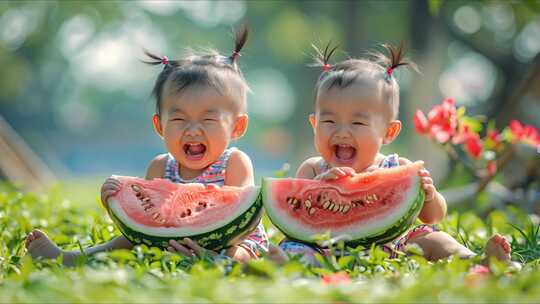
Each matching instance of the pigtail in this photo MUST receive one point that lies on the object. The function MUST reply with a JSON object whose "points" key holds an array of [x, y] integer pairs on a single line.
{"points": [[394, 59], [322, 58], [240, 39], [157, 60]]}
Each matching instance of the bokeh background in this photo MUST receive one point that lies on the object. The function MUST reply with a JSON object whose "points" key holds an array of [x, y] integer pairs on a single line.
{"points": [[73, 89]]}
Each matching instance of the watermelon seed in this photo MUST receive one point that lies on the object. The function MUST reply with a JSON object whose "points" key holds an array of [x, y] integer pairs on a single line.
{"points": [[346, 208], [341, 208], [136, 188], [289, 200], [326, 205], [318, 198], [311, 211], [307, 203], [336, 208], [375, 197], [189, 212], [183, 215], [156, 215]]}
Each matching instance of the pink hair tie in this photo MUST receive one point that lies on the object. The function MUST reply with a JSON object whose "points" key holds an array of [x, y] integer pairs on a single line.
{"points": [[389, 71], [164, 60], [235, 55], [326, 67]]}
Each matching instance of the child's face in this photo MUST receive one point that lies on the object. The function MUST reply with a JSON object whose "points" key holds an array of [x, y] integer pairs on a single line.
{"points": [[198, 125], [350, 126]]}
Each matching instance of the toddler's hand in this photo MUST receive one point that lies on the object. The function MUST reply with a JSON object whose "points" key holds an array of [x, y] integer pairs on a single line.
{"points": [[335, 173], [109, 188], [189, 248], [427, 185]]}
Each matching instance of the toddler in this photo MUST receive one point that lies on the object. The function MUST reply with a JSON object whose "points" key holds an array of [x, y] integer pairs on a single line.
{"points": [[356, 110], [200, 108]]}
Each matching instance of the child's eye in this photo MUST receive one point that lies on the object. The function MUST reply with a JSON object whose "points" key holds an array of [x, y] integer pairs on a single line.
{"points": [[177, 119], [328, 121], [358, 123]]}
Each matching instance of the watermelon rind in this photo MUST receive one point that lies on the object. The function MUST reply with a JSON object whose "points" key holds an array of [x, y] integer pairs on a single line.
{"points": [[216, 236], [376, 232]]}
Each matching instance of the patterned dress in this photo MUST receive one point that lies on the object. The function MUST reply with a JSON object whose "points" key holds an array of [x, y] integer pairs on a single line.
{"points": [[257, 242], [307, 251]]}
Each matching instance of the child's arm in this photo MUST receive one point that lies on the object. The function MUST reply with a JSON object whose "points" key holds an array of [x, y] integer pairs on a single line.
{"points": [[239, 173], [239, 170], [156, 168], [434, 208], [309, 170]]}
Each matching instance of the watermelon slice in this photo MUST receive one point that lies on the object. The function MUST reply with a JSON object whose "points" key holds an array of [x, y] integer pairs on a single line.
{"points": [[363, 209], [156, 211]]}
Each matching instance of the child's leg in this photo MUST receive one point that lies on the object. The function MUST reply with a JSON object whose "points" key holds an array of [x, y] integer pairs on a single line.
{"points": [[38, 245], [439, 245]]}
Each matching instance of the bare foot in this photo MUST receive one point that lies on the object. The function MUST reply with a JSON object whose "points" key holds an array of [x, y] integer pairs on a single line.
{"points": [[39, 245], [498, 247]]}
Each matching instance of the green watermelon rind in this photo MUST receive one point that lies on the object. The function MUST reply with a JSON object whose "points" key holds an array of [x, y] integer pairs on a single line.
{"points": [[225, 236], [385, 235]]}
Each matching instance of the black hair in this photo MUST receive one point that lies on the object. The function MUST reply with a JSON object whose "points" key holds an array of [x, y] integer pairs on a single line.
{"points": [[379, 67], [208, 69]]}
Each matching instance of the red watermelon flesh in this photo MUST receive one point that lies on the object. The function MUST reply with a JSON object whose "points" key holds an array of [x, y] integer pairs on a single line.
{"points": [[365, 208], [154, 211]]}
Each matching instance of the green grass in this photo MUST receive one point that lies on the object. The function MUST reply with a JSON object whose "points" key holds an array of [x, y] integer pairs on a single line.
{"points": [[146, 275]]}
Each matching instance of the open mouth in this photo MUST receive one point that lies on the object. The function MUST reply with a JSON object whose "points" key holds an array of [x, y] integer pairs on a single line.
{"points": [[194, 151], [344, 152]]}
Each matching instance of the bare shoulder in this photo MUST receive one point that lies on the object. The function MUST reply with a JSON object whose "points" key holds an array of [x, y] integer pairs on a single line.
{"points": [[239, 170], [238, 157], [156, 168], [310, 168]]}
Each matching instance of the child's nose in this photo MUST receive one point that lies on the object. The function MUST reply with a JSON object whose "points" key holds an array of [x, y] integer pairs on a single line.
{"points": [[342, 132], [193, 129]]}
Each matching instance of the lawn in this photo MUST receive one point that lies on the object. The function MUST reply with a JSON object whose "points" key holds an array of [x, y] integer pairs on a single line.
{"points": [[151, 275]]}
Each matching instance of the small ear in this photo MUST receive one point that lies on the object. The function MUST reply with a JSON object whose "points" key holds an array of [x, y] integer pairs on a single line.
{"points": [[156, 121], [312, 120], [240, 126], [392, 131]]}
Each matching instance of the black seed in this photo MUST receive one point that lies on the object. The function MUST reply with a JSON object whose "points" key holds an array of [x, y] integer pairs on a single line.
{"points": [[318, 198], [183, 215], [189, 212]]}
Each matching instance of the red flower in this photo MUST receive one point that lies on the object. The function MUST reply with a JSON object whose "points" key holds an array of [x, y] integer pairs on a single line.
{"points": [[441, 122], [421, 123], [525, 133], [336, 278], [517, 129], [473, 145], [462, 136]]}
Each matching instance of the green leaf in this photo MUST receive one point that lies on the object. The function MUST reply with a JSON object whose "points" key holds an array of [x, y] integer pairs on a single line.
{"points": [[345, 261]]}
